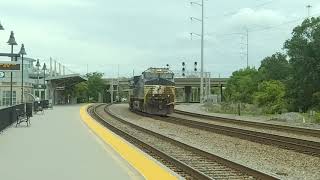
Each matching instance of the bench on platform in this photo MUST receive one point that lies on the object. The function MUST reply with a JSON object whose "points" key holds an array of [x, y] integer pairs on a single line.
{"points": [[22, 116]]}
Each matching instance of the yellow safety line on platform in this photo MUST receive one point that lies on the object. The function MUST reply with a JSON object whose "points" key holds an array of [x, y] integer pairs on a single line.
{"points": [[147, 167]]}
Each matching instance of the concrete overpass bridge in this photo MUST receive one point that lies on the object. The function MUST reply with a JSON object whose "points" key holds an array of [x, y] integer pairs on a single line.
{"points": [[187, 88]]}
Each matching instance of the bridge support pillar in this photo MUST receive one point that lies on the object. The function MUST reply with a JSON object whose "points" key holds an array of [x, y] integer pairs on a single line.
{"points": [[188, 93], [221, 93], [195, 94]]}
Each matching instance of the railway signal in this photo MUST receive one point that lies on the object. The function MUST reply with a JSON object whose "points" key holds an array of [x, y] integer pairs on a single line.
{"points": [[183, 69]]}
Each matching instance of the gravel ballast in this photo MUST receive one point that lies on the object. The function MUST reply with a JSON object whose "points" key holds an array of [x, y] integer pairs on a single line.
{"points": [[283, 163], [272, 119], [257, 129]]}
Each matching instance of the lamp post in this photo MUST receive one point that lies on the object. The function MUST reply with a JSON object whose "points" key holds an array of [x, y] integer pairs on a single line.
{"points": [[11, 42], [44, 68], [22, 52], [38, 69], [1, 27]]}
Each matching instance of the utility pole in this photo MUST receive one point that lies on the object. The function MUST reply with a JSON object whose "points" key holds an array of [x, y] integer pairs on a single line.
{"points": [[118, 95], [209, 83], [111, 91], [202, 43], [247, 33], [202, 46], [87, 69], [309, 9], [245, 46]]}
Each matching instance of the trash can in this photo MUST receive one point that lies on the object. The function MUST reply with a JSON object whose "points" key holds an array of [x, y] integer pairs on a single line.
{"points": [[29, 109], [45, 104], [36, 105]]}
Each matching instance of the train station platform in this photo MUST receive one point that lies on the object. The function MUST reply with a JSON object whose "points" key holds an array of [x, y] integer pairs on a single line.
{"points": [[59, 146]]}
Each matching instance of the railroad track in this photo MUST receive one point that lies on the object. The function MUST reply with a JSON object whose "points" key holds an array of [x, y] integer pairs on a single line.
{"points": [[189, 162], [298, 145], [290, 129]]}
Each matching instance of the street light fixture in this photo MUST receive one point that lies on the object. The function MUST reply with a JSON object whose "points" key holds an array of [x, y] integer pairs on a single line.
{"points": [[44, 68], [38, 69], [1, 27], [22, 52], [12, 42]]}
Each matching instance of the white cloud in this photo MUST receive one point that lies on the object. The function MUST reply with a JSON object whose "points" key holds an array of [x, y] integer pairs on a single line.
{"points": [[248, 17], [144, 33], [316, 9], [46, 3]]}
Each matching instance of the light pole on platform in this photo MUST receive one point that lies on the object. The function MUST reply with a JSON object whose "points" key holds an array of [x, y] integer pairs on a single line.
{"points": [[38, 69], [44, 68], [12, 42], [22, 53]]}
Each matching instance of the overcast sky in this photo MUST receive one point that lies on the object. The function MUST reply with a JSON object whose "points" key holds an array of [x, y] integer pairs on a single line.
{"points": [[137, 34]]}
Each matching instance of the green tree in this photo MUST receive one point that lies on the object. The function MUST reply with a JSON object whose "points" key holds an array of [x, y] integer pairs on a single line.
{"points": [[275, 67], [81, 92], [95, 85], [303, 50], [316, 100], [270, 96], [241, 85], [89, 90]]}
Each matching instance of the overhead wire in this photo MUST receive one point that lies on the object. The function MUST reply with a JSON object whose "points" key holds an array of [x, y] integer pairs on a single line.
{"points": [[254, 7], [281, 24]]}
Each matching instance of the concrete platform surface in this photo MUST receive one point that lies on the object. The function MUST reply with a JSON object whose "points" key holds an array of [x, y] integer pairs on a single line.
{"points": [[59, 146]]}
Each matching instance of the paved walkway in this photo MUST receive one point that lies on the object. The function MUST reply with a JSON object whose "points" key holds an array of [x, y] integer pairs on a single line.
{"points": [[58, 146]]}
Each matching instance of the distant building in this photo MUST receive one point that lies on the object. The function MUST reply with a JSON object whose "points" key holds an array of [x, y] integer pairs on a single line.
{"points": [[30, 85]]}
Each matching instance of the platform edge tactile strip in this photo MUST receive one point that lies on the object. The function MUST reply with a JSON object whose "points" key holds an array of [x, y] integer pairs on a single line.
{"points": [[148, 168]]}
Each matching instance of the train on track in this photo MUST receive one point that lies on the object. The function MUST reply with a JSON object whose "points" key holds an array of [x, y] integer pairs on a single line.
{"points": [[153, 92]]}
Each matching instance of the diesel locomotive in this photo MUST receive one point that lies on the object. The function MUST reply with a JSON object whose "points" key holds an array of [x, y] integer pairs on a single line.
{"points": [[153, 92]]}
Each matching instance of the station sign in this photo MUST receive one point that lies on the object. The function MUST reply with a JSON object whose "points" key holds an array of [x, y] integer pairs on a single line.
{"points": [[9, 66]]}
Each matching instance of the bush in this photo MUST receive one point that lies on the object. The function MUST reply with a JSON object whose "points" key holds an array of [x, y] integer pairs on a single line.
{"points": [[270, 96], [232, 108], [317, 117], [241, 85]]}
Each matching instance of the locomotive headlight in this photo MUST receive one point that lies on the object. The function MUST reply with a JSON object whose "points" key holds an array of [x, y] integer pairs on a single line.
{"points": [[168, 95]]}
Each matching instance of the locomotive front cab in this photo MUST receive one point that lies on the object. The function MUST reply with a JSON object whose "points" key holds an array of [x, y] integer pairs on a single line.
{"points": [[159, 92]]}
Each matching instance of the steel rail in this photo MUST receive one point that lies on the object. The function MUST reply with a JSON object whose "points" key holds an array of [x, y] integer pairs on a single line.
{"points": [[298, 145], [179, 166], [291, 129], [196, 174]]}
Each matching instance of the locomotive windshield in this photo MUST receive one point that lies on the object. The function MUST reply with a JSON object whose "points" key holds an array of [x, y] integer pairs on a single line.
{"points": [[149, 75], [168, 76]]}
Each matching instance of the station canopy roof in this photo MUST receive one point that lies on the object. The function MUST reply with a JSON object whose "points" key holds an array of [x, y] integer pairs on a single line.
{"points": [[66, 80]]}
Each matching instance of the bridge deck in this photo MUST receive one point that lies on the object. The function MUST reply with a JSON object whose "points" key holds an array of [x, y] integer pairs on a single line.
{"points": [[58, 145]]}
